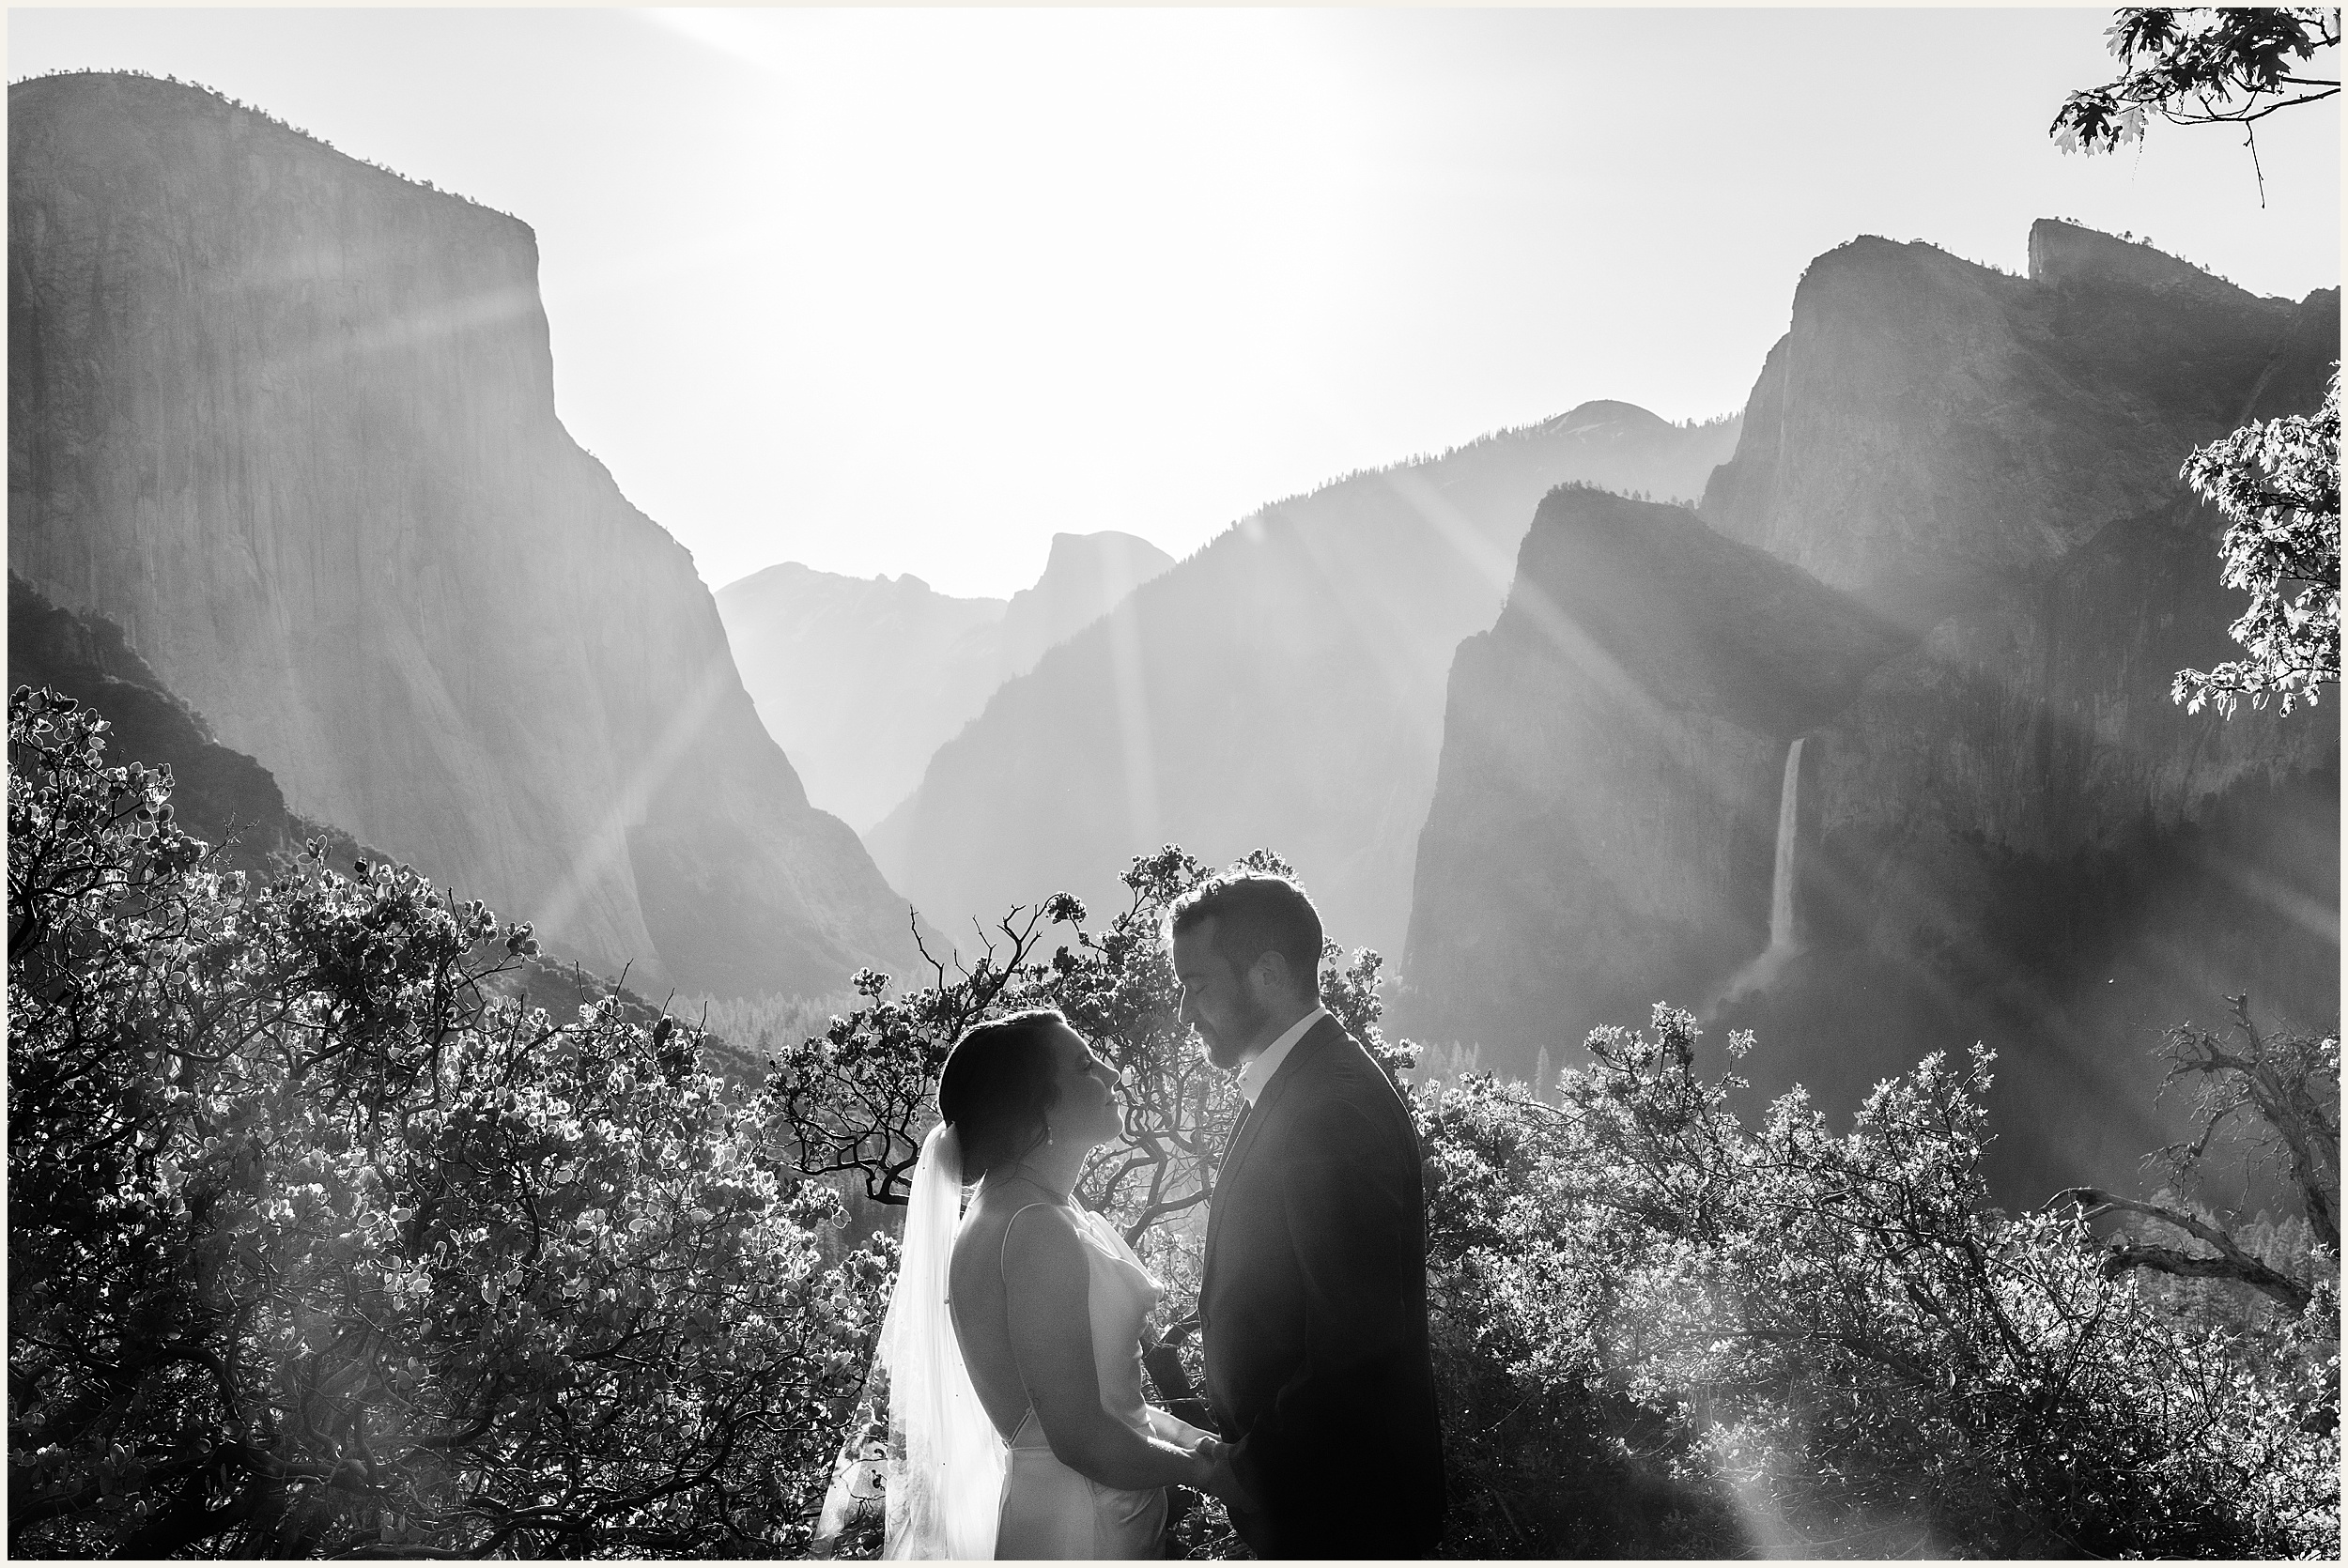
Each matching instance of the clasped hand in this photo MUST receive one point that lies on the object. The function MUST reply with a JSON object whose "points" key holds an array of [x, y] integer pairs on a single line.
{"points": [[1216, 1474]]}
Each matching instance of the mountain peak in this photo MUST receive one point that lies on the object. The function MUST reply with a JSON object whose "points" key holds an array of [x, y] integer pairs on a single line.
{"points": [[1606, 413], [111, 101], [400, 701], [1070, 550], [1083, 576], [2064, 255]]}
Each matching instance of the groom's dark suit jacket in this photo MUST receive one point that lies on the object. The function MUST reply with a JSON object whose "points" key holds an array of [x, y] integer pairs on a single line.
{"points": [[1313, 1311]]}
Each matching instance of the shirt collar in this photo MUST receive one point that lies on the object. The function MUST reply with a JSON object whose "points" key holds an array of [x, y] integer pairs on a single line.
{"points": [[1259, 1070]]}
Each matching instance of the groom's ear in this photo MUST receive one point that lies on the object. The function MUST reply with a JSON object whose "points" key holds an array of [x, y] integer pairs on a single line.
{"points": [[1268, 977]]}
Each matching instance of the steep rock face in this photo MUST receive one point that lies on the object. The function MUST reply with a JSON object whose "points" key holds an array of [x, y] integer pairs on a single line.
{"points": [[287, 421], [1281, 688], [2006, 832], [1605, 814], [1941, 485], [860, 679]]}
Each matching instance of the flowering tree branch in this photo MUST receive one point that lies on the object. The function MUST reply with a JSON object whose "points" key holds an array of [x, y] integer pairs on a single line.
{"points": [[2278, 485]]}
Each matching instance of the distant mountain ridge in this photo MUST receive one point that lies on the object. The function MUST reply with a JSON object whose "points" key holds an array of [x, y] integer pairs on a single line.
{"points": [[1953, 559], [860, 679], [287, 421], [1282, 687]]}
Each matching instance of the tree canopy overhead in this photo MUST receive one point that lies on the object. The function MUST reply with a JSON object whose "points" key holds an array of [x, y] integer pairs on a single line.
{"points": [[2199, 65]]}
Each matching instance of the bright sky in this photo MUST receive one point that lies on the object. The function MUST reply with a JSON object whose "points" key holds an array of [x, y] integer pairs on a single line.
{"points": [[911, 290]]}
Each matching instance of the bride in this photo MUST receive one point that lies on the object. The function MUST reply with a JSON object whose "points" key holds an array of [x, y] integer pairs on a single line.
{"points": [[1014, 1340]]}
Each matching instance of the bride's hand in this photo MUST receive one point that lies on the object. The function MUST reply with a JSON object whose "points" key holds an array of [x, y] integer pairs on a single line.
{"points": [[1216, 1474]]}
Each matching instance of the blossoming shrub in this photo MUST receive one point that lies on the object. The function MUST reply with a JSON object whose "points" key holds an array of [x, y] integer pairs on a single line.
{"points": [[319, 1245], [1783, 1339]]}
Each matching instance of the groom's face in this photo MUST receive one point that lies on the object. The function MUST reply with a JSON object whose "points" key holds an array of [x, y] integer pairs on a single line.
{"points": [[1217, 1001]]}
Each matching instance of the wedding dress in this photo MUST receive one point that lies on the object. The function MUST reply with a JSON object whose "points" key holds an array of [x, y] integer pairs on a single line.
{"points": [[953, 1488], [1050, 1511]]}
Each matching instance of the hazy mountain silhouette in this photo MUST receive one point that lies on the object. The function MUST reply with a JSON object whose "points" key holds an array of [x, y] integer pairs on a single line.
{"points": [[860, 679], [221, 796], [287, 421], [1980, 572], [1085, 576], [1282, 687]]}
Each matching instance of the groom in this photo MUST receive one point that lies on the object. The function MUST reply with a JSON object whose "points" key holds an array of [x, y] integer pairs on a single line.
{"points": [[1312, 1306]]}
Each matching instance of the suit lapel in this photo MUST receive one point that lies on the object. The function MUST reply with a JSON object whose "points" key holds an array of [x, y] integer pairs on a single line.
{"points": [[1251, 1122]]}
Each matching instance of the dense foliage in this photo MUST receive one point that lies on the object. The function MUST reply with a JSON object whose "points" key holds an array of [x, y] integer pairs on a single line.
{"points": [[1820, 1343], [316, 1245], [322, 1243]]}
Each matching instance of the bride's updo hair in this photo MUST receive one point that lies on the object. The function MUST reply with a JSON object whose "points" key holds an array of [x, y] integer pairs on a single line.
{"points": [[997, 1084]]}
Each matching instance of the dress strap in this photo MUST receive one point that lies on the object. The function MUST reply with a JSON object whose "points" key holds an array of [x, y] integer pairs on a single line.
{"points": [[1002, 1263]]}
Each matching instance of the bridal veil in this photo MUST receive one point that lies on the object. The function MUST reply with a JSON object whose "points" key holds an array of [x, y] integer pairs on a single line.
{"points": [[943, 1476]]}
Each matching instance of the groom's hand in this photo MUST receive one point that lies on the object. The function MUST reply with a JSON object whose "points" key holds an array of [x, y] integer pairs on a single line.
{"points": [[1221, 1478]]}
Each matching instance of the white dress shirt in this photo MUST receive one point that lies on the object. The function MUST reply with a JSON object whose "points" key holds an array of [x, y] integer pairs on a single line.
{"points": [[1259, 1068]]}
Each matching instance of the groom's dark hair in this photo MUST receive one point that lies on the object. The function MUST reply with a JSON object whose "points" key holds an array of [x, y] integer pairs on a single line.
{"points": [[1257, 912], [995, 1084]]}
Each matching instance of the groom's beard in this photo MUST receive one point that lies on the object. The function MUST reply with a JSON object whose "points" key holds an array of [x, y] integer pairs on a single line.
{"points": [[1228, 1050]]}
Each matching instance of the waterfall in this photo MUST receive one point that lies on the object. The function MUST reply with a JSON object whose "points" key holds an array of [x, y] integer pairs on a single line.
{"points": [[1765, 964], [1782, 883]]}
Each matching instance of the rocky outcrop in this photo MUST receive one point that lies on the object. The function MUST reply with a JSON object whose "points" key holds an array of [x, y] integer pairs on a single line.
{"points": [[1281, 688], [860, 679], [2054, 405], [287, 421], [2006, 831]]}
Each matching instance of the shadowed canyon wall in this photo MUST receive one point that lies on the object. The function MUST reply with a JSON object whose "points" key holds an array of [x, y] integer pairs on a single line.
{"points": [[1281, 688], [287, 421], [1604, 822], [2006, 831], [220, 797], [860, 679]]}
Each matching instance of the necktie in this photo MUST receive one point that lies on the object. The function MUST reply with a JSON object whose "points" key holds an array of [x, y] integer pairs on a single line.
{"points": [[1239, 1123]]}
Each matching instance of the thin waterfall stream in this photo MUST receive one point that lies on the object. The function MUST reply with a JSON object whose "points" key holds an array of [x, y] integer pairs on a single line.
{"points": [[1765, 964], [1781, 883]]}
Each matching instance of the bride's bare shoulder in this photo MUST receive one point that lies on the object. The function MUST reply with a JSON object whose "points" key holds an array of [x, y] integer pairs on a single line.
{"points": [[1018, 1230], [987, 1228]]}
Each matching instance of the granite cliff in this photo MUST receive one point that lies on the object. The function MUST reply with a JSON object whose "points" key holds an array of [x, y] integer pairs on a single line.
{"points": [[1604, 819], [1282, 689], [2003, 830], [859, 679], [288, 422]]}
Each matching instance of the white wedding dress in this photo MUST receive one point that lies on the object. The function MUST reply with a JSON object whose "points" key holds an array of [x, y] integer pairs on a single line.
{"points": [[953, 1487], [1050, 1511]]}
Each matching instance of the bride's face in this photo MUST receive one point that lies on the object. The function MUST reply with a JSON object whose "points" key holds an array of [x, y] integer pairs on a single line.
{"points": [[1087, 1110]]}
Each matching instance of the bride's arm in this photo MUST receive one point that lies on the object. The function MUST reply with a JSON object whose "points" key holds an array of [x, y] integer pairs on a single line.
{"points": [[1049, 1314]]}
